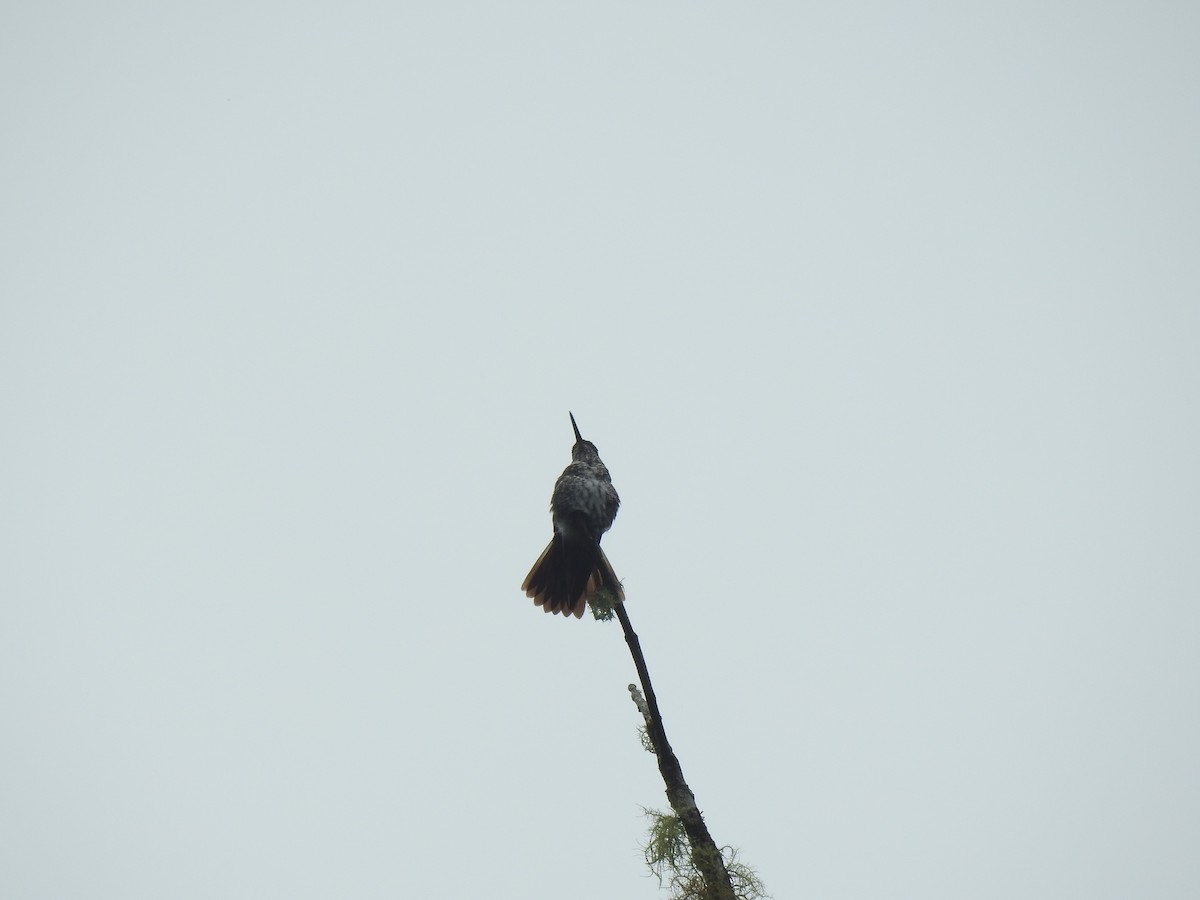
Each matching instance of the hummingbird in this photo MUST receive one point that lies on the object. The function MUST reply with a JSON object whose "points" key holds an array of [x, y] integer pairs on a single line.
{"points": [[582, 508]]}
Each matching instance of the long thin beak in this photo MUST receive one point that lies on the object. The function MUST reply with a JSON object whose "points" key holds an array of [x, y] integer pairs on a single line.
{"points": [[578, 436]]}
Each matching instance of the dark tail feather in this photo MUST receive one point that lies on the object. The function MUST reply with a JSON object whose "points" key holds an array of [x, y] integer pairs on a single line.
{"points": [[605, 577], [565, 576]]}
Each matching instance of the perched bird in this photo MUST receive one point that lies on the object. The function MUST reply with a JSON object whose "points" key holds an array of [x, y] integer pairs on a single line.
{"points": [[583, 506]]}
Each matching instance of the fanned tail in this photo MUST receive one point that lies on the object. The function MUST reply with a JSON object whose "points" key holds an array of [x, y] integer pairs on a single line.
{"points": [[566, 574]]}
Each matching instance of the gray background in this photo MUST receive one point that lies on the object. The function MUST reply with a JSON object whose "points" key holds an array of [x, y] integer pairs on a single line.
{"points": [[884, 317]]}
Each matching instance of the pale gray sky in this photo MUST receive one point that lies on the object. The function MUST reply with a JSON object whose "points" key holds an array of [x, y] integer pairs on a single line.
{"points": [[884, 317]]}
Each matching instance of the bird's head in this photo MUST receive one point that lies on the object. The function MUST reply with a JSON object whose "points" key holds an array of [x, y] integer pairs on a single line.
{"points": [[583, 451]]}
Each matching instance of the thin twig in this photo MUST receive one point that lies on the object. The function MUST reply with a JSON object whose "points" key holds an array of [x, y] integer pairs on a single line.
{"points": [[705, 853]]}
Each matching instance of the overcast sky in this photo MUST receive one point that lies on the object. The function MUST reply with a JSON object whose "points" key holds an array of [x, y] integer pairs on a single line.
{"points": [[885, 318]]}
